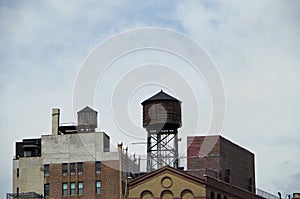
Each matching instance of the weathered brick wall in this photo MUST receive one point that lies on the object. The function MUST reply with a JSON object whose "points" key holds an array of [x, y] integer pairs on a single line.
{"points": [[217, 157], [202, 159], [241, 163], [110, 180]]}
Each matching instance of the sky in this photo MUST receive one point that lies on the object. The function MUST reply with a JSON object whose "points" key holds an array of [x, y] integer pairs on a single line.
{"points": [[254, 46]]}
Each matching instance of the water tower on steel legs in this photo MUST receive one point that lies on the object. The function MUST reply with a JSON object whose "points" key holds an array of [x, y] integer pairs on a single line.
{"points": [[161, 119]]}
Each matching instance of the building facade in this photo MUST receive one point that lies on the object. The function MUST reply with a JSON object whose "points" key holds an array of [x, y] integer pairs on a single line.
{"points": [[71, 164], [171, 183], [219, 158]]}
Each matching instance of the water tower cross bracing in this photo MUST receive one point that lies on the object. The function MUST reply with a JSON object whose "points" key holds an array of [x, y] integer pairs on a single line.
{"points": [[161, 119]]}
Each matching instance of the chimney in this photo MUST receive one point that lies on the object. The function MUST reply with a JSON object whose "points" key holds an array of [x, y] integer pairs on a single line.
{"points": [[55, 121], [120, 146]]}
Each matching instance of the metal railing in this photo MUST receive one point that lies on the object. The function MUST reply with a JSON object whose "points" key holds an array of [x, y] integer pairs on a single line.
{"points": [[266, 194]]}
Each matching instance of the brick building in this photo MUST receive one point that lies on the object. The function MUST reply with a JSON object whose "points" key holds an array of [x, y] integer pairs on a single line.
{"points": [[219, 158], [72, 163]]}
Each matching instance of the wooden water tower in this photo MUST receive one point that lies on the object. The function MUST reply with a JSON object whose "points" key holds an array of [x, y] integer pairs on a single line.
{"points": [[161, 119], [87, 120]]}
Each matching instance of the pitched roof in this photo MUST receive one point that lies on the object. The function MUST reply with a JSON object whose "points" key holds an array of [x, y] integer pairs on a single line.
{"points": [[161, 96], [165, 169], [87, 109], [206, 181]]}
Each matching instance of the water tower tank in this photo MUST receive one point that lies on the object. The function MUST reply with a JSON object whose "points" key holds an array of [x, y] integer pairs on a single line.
{"points": [[161, 110], [87, 120]]}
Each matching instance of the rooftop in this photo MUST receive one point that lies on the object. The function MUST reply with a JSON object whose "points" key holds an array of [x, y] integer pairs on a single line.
{"points": [[161, 96], [87, 109]]}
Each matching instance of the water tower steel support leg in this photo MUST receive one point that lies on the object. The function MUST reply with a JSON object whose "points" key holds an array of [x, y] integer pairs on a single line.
{"points": [[176, 151], [149, 158], [159, 155]]}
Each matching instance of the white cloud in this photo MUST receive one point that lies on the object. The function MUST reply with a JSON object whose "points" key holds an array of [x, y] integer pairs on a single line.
{"points": [[254, 44]]}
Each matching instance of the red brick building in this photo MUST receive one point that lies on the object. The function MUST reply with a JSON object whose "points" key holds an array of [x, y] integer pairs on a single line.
{"points": [[222, 159]]}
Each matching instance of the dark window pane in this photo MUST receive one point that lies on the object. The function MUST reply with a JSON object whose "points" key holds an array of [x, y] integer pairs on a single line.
{"points": [[65, 169], [72, 169], [227, 176], [212, 195], [80, 168], [98, 167], [46, 170], [46, 189]]}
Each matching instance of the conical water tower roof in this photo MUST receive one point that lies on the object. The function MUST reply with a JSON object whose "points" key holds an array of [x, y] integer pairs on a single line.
{"points": [[87, 109], [160, 96]]}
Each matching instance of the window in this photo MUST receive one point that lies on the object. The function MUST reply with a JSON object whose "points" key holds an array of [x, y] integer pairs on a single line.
{"points": [[65, 169], [227, 176], [212, 195], [46, 170], [98, 186], [123, 187], [219, 196], [18, 172], [80, 188], [27, 153], [250, 184], [72, 188], [98, 167], [72, 169], [46, 190], [64, 188], [80, 168]]}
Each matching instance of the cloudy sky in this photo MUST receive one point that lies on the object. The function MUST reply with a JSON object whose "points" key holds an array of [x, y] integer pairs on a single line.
{"points": [[254, 46]]}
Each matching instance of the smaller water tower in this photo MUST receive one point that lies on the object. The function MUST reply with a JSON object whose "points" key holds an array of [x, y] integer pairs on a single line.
{"points": [[87, 120], [161, 119]]}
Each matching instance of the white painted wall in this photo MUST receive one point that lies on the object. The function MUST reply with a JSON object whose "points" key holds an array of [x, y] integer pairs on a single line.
{"points": [[79, 147]]}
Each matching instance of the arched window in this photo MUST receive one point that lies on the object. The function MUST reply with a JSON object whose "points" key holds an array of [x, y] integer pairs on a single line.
{"points": [[212, 195], [224, 197], [187, 194], [166, 195], [147, 195], [219, 196]]}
